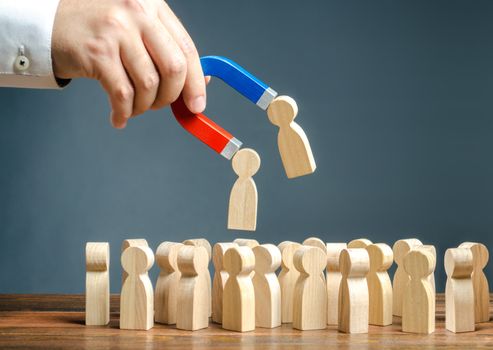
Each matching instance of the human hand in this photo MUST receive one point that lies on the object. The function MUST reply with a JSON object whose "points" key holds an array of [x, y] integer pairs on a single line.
{"points": [[138, 50]]}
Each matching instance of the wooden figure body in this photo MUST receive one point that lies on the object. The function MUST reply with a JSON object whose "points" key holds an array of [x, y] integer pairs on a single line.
{"points": [[220, 278], [166, 293], [353, 293], [137, 298], [400, 249], [202, 242], [480, 258], [266, 286], [379, 284], [242, 214], [459, 293], [359, 243], [135, 242], [287, 279], [333, 277], [239, 294], [193, 296], [97, 283], [310, 292], [418, 303], [431, 277], [294, 147]]}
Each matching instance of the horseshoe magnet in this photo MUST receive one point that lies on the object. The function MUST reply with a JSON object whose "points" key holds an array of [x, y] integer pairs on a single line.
{"points": [[239, 79]]}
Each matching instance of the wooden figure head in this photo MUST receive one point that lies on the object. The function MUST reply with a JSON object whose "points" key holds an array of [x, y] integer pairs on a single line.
{"points": [[167, 255], [359, 243], [218, 254], [480, 254], [333, 254], [251, 243], [282, 110], [315, 242], [402, 247], [97, 256], [310, 260], [419, 263], [381, 257], [246, 162], [239, 261], [458, 262], [200, 242], [267, 258], [288, 249], [137, 260], [354, 262], [192, 260]]}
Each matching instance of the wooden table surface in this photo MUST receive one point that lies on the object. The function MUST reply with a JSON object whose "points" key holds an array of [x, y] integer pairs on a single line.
{"points": [[57, 321]]}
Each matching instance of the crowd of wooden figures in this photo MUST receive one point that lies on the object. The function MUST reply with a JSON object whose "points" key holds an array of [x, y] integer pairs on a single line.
{"points": [[318, 285]]}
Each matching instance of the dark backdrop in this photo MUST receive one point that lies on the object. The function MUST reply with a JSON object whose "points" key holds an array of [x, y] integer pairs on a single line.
{"points": [[395, 96]]}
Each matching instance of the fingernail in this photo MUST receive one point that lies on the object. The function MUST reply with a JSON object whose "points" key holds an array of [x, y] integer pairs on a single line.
{"points": [[198, 104]]}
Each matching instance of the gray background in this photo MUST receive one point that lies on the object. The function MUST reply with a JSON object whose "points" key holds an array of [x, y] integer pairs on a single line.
{"points": [[395, 96]]}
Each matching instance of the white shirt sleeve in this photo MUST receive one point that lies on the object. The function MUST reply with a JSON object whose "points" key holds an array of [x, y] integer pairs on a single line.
{"points": [[25, 43]]}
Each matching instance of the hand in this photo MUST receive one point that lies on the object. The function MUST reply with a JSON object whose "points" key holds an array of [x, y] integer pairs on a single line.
{"points": [[138, 50]]}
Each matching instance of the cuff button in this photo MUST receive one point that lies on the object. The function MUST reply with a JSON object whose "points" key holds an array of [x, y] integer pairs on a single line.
{"points": [[22, 63]]}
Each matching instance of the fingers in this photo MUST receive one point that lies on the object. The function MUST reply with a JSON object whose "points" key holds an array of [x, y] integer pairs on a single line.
{"points": [[142, 72], [194, 92]]}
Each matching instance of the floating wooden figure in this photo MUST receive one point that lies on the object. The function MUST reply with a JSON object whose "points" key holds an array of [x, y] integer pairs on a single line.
{"points": [[220, 278], [480, 257], [166, 293], [400, 249], [193, 296], [333, 281], [379, 284], [359, 243], [132, 243], [266, 285], [418, 303], [202, 242], [243, 200], [137, 298], [287, 279], [459, 293], [310, 292], [97, 283], [353, 293], [294, 147], [239, 294]]}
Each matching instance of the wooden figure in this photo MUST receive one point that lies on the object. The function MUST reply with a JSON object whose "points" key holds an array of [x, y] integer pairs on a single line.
{"points": [[353, 293], [132, 243], [239, 294], [220, 278], [480, 258], [310, 292], [266, 286], [294, 147], [459, 293], [379, 284], [97, 283], [193, 296], [315, 242], [400, 249], [137, 298], [359, 243], [243, 200], [166, 293], [418, 302], [287, 279], [251, 243], [431, 277], [202, 242], [333, 281]]}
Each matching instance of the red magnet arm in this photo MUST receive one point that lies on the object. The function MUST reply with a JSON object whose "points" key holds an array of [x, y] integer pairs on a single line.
{"points": [[205, 130]]}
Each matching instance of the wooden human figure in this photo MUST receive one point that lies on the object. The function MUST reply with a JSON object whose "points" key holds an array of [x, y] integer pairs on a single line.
{"points": [[97, 283], [294, 147], [287, 279], [459, 293], [431, 277], [359, 243], [480, 257], [353, 293], [137, 298], [333, 281], [193, 296], [400, 249], [318, 243], [202, 242], [242, 214], [166, 292], [266, 286], [131, 243], [310, 291], [220, 278], [379, 284], [418, 303], [239, 294]]}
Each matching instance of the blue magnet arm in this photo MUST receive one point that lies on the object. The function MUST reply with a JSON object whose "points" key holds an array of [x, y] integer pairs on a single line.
{"points": [[239, 79]]}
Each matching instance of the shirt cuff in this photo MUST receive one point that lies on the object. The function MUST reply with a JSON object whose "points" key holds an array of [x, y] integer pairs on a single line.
{"points": [[25, 43]]}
